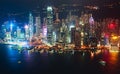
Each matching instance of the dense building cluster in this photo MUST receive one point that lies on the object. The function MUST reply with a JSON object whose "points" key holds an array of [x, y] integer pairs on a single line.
{"points": [[81, 30]]}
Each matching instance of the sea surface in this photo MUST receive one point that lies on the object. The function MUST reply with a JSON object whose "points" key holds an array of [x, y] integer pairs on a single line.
{"points": [[18, 61]]}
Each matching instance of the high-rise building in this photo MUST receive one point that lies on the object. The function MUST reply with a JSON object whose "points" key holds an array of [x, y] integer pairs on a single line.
{"points": [[19, 32], [92, 28], [38, 26], [3, 31], [44, 28], [57, 26], [49, 24], [31, 26], [63, 32], [75, 37], [26, 32]]}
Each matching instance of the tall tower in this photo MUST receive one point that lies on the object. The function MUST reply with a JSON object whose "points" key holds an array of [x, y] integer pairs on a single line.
{"points": [[91, 22], [26, 32], [38, 26], [49, 24], [3, 31], [31, 26], [44, 28], [19, 32]]}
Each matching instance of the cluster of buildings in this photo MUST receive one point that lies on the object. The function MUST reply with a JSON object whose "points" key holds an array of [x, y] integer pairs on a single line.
{"points": [[74, 29]]}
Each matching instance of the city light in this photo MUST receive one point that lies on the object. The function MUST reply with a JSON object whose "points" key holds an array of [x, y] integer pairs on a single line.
{"points": [[11, 26], [111, 26], [81, 23], [71, 26], [60, 36], [49, 8], [26, 27], [91, 20], [114, 37]]}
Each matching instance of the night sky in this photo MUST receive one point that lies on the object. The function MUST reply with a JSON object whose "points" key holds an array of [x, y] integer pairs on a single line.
{"points": [[19, 9]]}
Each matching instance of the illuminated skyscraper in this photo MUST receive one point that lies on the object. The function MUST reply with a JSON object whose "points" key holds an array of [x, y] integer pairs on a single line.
{"points": [[18, 32], [57, 27], [3, 31], [44, 28], [38, 26], [91, 22], [75, 37], [49, 24], [31, 26], [63, 32], [26, 31]]}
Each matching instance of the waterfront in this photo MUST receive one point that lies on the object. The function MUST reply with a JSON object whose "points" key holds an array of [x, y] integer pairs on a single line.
{"points": [[80, 62]]}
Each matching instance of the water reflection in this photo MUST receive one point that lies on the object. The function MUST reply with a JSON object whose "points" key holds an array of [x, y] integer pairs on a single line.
{"points": [[80, 60], [111, 57], [16, 54], [92, 55]]}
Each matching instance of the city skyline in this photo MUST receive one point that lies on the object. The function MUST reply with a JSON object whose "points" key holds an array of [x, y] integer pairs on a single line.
{"points": [[59, 36]]}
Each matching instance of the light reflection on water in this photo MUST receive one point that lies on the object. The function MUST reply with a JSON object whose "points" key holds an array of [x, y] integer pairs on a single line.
{"points": [[16, 55], [37, 59], [92, 55], [112, 58]]}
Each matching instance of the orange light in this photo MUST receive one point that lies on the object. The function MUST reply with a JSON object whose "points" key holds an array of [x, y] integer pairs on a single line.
{"points": [[114, 37], [83, 47], [92, 55]]}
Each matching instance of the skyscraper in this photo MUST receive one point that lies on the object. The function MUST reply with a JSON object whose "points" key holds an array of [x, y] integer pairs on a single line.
{"points": [[3, 32], [26, 32], [49, 24], [19, 32], [44, 28], [31, 26], [75, 37], [91, 22], [38, 25]]}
